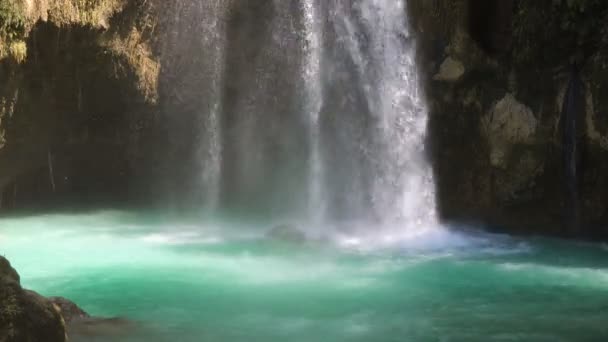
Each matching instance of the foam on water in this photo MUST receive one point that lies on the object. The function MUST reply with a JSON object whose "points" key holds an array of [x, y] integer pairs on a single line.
{"points": [[213, 283]]}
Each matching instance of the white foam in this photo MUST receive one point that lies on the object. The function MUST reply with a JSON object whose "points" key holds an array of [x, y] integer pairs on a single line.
{"points": [[180, 238], [433, 239], [595, 277]]}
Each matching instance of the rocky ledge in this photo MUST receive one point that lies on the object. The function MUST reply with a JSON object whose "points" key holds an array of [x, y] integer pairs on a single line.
{"points": [[80, 324], [28, 316], [25, 315]]}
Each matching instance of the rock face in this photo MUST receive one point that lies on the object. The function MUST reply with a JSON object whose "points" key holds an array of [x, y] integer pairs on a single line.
{"points": [[78, 95], [25, 315], [495, 133]]}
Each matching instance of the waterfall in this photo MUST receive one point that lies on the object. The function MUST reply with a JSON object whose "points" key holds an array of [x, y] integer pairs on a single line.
{"points": [[310, 109], [573, 109], [401, 186], [210, 140], [314, 86]]}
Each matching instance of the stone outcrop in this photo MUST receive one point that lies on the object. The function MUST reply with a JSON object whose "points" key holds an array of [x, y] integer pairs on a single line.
{"points": [[507, 124], [28, 316], [25, 315], [69, 310], [450, 70], [495, 133], [79, 324]]}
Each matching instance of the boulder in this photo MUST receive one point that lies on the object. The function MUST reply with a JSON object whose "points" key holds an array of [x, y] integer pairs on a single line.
{"points": [[80, 324], [508, 123], [286, 232], [69, 310], [25, 315]]}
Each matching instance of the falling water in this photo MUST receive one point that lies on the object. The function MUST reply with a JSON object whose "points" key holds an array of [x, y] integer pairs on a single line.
{"points": [[211, 130], [401, 186], [314, 85], [312, 109]]}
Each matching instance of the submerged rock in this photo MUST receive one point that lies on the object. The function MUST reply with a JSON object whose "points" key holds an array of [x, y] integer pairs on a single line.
{"points": [[286, 232], [104, 327], [25, 315], [80, 324], [69, 310]]}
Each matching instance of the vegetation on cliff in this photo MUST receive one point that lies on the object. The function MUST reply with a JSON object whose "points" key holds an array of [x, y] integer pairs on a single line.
{"points": [[12, 30], [129, 42], [76, 76]]}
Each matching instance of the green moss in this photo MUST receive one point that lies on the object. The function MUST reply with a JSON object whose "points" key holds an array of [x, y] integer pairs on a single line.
{"points": [[12, 29]]}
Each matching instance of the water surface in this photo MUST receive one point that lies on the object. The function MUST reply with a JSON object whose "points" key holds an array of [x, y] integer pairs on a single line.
{"points": [[183, 280]]}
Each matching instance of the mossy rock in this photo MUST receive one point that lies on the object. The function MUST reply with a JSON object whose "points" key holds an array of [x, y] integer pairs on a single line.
{"points": [[25, 315], [7, 271]]}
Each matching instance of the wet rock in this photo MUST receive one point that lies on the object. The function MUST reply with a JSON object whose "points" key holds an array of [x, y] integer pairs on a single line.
{"points": [[80, 324], [451, 70], [501, 122], [25, 315], [69, 310], [101, 327], [286, 232], [7, 271], [508, 123]]}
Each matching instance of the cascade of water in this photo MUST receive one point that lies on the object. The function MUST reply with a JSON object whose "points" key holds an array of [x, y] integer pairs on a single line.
{"points": [[573, 108], [211, 137], [314, 86], [377, 39], [313, 107]]}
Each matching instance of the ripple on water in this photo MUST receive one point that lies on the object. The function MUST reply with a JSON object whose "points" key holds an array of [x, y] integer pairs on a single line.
{"points": [[226, 285]]}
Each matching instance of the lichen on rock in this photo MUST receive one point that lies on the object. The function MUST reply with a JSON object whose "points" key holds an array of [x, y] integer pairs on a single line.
{"points": [[451, 70], [509, 122]]}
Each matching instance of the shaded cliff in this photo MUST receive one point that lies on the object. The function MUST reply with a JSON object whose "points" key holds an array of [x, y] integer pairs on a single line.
{"points": [[510, 150], [77, 98]]}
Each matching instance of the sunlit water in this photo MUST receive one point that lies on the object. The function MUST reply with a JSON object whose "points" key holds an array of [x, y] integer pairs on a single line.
{"points": [[223, 281]]}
